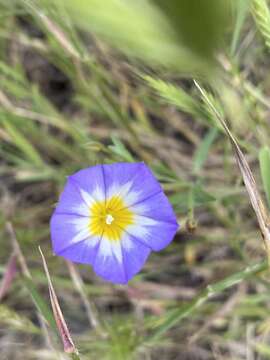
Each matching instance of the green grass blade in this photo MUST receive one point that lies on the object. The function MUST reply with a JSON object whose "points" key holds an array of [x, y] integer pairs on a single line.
{"points": [[261, 14], [264, 157], [241, 14], [39, 302], [20, 141], [176, 316], [120, 149], [202, 151], [175, 96]]}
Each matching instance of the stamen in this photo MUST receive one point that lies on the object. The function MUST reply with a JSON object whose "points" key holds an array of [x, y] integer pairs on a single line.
{"points": [[109, 219]]}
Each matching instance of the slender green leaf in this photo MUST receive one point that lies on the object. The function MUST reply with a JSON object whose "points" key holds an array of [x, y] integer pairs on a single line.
{"points": [[119, 149], [242, 7], [40, 303], [177, 315], [20, 141], [261, 14], [202, 151]]}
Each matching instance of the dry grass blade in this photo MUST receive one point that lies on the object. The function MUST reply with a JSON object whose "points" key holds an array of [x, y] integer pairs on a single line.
{"points": [[9, 275], [17, 250], [6, 104], [18, 256], [249, 181], [68, 344], [55, 30], [221, 313], [78, 283]]}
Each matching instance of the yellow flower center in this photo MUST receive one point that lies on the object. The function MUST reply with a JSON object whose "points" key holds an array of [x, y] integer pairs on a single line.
{"points": [[110, 218]]}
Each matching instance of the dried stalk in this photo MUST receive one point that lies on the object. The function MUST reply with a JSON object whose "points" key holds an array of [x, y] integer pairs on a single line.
{"points": [[249, 181]]}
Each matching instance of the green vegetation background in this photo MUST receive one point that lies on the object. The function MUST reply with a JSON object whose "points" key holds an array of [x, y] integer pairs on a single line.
{"points": [[90, 81]]}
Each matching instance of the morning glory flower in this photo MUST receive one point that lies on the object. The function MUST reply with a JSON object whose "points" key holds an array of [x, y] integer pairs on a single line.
{"points": [[112, 217]]}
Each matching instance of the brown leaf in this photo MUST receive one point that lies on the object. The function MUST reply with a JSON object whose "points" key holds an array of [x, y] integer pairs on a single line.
{"points": [[68, 344]]}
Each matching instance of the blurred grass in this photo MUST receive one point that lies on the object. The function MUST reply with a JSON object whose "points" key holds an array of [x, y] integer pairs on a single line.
{"points": [[69, 99], [264, 158]]}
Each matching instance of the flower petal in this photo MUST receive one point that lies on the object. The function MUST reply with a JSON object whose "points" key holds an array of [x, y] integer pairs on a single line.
{"points": [[126, 179], [155, 234], [156, 207], [91, 183], [67, 230], [135, 253], [71, 201], [109, 262], [83, 252]]}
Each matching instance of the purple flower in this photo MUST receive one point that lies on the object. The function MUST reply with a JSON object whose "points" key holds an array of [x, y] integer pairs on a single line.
{"points": [[112, 216]]}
